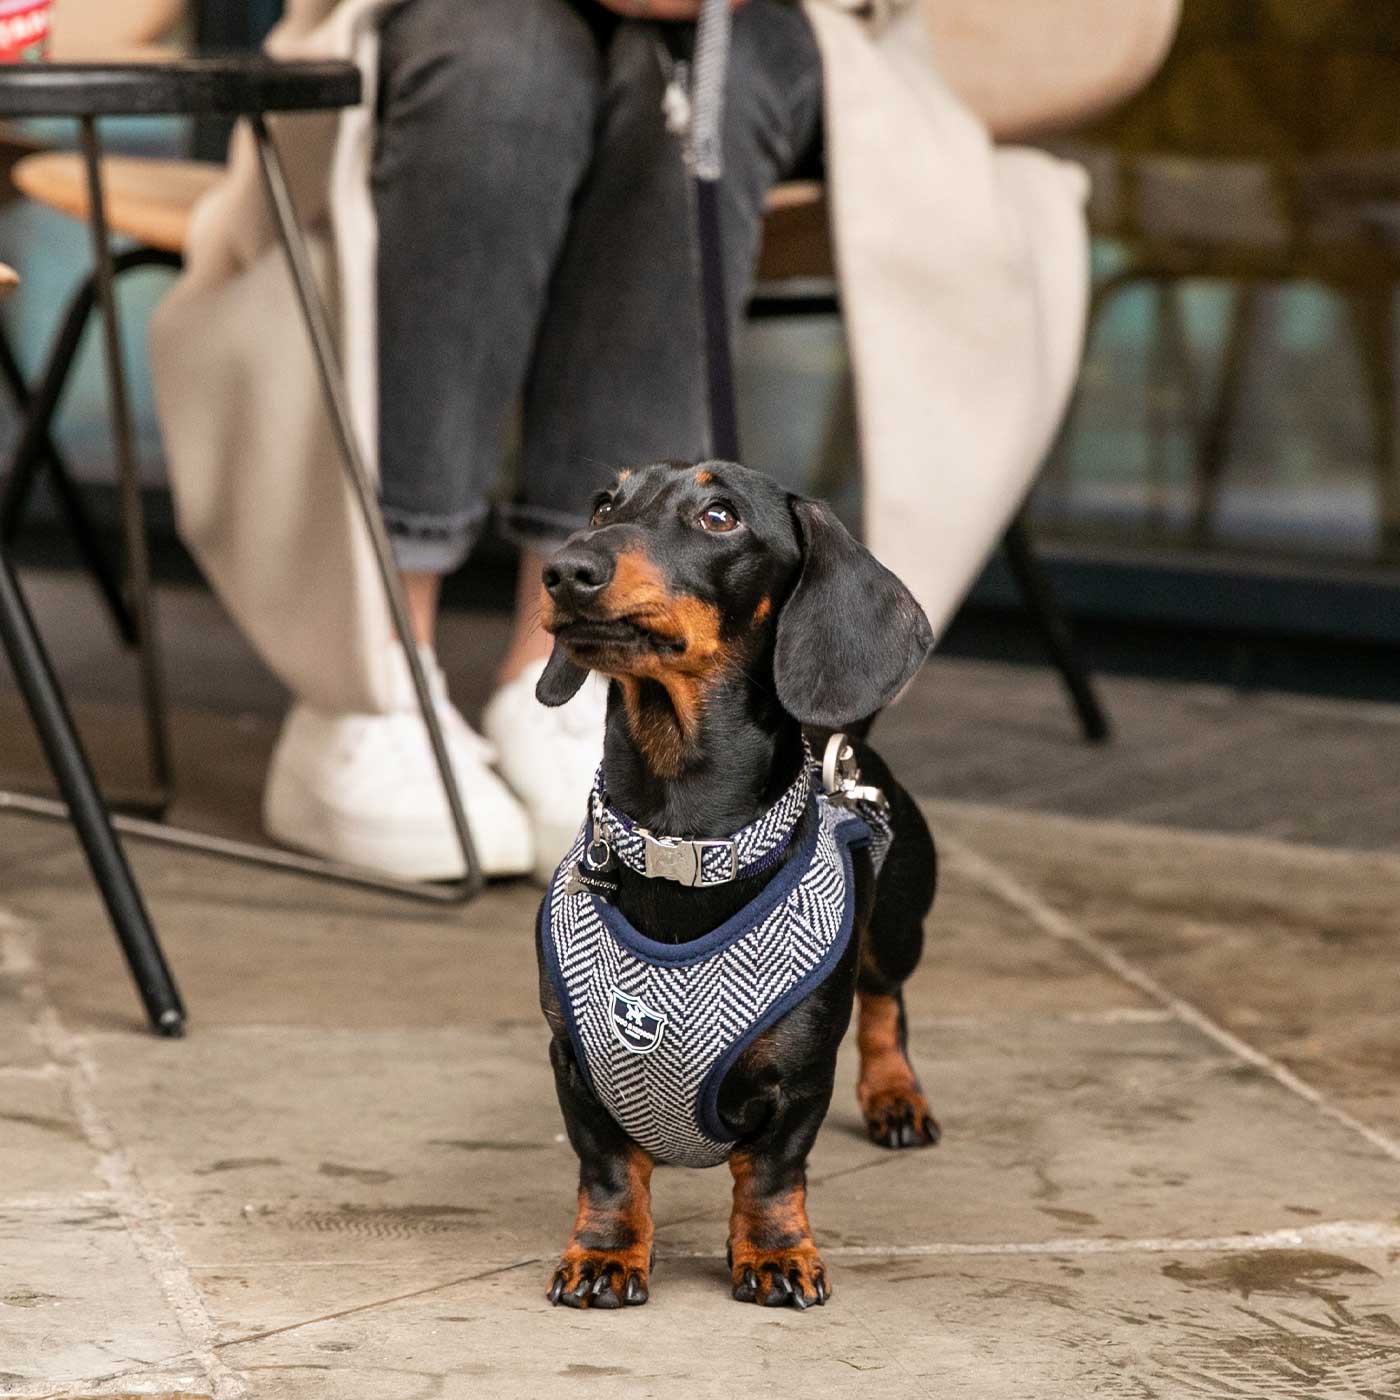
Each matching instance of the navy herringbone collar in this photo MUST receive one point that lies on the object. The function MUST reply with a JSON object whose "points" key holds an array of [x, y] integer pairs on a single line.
{"points": [[708, 861]]}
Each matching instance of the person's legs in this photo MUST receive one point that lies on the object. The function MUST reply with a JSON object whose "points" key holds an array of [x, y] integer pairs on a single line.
{"points": [[618, 372], [486, 119]]}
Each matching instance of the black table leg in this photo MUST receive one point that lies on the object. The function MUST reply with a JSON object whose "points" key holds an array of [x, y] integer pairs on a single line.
{"points": [[140, 598], [75, 781]]}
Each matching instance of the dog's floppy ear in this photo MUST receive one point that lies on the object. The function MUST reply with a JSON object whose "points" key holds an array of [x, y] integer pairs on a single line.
{"points": [[560, 680], [850, 635]]}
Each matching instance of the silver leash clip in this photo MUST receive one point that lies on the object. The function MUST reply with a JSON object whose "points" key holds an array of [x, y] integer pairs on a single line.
{"points": [[841, 776]]}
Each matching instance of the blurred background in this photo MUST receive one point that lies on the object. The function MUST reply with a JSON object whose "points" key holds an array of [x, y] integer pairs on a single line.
{"points": [[1230, 473]]}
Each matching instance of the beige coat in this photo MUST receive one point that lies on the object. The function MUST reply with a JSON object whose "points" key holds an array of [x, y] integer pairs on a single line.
{"points": [[963, 270]]}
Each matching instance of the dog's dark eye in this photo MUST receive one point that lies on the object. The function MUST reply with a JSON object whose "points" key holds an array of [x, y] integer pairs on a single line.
{"points": [[718, 518], [601, 512]]}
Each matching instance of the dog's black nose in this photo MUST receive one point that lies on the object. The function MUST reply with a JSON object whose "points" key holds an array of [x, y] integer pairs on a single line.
{"points": [[576, 575]]}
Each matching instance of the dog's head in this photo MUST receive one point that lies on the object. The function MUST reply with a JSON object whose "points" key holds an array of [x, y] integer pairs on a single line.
{"points": [[688, 575]]}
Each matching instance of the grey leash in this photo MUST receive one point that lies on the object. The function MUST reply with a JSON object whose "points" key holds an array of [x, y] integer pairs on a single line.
{"points": [[705, 150], [694, 100]]}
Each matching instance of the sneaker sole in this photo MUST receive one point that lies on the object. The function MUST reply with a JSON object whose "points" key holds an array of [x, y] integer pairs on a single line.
{"points": [[295, 816]]}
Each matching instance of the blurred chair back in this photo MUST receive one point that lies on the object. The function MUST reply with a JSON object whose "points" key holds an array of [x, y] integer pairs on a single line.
{"points": [[88, 29], [1271, 125], [1267, 150], [1029, 67]]}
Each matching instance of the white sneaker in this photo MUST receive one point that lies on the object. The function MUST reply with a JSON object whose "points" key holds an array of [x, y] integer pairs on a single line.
{"points": [[364, 789], [549, 757]]}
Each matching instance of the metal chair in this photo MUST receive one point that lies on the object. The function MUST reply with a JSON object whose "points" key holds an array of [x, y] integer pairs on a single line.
{"points": [[247, 87], [150, 201], [131, 31]]}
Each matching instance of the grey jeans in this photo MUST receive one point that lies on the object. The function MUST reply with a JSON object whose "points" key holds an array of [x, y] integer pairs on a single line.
{"points": [[536, 248]]}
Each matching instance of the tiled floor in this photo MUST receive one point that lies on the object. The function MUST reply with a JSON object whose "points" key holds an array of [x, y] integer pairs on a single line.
{"points": [[1166, 1063]]}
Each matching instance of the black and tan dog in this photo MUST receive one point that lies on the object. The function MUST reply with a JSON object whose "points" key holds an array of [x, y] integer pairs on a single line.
{"points": [[728, 615]]}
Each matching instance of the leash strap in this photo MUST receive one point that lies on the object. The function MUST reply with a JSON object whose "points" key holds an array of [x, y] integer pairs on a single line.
{"points": [[706, 137]]}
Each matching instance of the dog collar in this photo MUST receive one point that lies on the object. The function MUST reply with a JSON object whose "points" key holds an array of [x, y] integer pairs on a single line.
{"points": [[705, 861]]}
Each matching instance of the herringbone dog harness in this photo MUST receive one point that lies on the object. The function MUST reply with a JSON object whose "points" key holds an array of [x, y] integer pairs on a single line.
{"points": [[656, 1026]]}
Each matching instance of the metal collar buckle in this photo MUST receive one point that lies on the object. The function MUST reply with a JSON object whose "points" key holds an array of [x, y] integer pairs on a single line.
{"points": [[683, 861]]}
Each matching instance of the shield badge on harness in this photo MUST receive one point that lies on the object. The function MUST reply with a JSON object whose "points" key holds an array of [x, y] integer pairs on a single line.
{"points": [[635, 1024]]}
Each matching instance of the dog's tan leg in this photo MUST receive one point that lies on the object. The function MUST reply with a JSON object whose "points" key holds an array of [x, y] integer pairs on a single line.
{"points": [[607, 1262], [773, 1259], [896, 1112]]}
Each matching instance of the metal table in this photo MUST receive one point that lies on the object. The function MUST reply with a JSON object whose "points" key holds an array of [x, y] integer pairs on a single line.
{"points": [[247, 86]]}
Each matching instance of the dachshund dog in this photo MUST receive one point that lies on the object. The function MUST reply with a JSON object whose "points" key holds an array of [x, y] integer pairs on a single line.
{"points": [[727, 615]]}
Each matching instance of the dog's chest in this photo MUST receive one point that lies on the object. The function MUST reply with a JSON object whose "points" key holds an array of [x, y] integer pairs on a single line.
{"points": [[657, 1026]]}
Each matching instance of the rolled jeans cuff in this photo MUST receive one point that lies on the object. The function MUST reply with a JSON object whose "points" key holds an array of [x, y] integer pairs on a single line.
{"points": [[537, 527], [432, 544]]}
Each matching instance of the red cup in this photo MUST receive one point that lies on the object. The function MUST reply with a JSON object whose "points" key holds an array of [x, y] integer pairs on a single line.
{"points": [[24, 30]]}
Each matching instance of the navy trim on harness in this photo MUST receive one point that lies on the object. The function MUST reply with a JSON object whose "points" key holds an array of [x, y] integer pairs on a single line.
{"points": [[673, 954], [561, 992], [853, 833]]}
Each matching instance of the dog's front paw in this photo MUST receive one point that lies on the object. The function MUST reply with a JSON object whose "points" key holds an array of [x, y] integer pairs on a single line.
{"points": [[600, 1278], [779, 1278], [899, 1117]]}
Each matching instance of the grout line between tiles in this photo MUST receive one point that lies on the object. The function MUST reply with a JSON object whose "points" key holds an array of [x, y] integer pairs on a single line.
{"points": [[1050, 921], [56, 1200], [139, 1213], [1341, 1234]]}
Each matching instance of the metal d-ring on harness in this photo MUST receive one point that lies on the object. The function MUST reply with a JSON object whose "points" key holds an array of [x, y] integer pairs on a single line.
{"points": [[841, 777]]}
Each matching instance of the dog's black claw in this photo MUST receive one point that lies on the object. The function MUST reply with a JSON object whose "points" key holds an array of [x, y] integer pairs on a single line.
{"points": [[932, 1132], [578, 1298], [781, 1293], [556, 1289], [822, 1294], [799, 1299], [746, 1290], [602, 1295], [635, 1294]]}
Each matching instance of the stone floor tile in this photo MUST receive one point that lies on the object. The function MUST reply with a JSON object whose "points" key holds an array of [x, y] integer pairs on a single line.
{"points": [[1267, 1324], [42, 1147], [293, 951], [1292, 948], [80, 1307]]}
